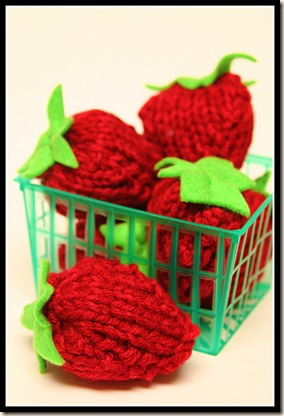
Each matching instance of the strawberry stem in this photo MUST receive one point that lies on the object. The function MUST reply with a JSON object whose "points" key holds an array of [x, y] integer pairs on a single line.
{"points": [[222, 68]]}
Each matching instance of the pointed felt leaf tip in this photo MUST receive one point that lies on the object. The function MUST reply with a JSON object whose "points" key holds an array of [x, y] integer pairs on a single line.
{"points": [[152, 87], [55, 111], [159, 88], [34, 317], [245, 56], [261, 183], [62, 152], [41, 364], [172, 161], [27, 318], [245, 210], [249, 83]]}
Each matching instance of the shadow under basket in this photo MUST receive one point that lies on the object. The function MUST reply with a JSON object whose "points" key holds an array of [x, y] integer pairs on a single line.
{"points": [[65, 227]]}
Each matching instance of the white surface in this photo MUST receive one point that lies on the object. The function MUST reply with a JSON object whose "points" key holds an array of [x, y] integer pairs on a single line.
{"points": [[103, 57]]}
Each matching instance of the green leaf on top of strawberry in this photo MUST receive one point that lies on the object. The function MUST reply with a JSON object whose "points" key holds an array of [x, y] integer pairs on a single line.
{"points": [[222, 68], [210, 180], [94, 153], [261, 183], [52, 146], [193, 117]]}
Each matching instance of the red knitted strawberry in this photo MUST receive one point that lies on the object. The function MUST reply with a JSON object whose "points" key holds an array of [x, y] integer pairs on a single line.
{"points": [[94, 154], [191, 118], [207, 192], [102, 320], [253, 247]]}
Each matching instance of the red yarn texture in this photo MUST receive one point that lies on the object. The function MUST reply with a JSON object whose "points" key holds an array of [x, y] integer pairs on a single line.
{"points": [[110, 322], [166, 201], [115, 162], [254, 248], [209, 121]]}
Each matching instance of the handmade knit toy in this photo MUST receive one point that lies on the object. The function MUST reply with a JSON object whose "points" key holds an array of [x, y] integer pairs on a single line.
{"points": [[210, 192], [94, 154], [259, 252], [102, 320], [191, 118]]}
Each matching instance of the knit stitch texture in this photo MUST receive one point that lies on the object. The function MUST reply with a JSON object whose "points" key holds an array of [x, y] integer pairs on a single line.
{"points": [[111, 322], [115, 162], [209, 121], [166, 201]]}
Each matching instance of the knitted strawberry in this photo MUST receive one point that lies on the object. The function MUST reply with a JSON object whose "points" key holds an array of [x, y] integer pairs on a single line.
{"points": [[207, 192], [102, 320], [257, 241], [191, 118], [94, 154], [253, 247]]}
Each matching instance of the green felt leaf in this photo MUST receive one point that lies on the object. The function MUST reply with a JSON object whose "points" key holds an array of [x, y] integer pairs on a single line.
{"points": [[211, 180], [62, 152], [58, 123], [261, 183], [34, 319], [192, 83], [42, 143], [39, 162], [224, 170], [249, 83], [41, 363], [195, 187], [171, 167], [43, 343], [51, 146], [28, 316], [226, 196]]}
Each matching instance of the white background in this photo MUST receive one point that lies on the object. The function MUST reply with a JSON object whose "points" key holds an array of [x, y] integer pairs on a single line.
{"points": [[103, 57]]}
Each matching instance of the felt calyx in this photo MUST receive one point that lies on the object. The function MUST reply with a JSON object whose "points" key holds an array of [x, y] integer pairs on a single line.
{"points": [[52, 147], [222, 67], [34, 319], [211, 181], [261, 183]]}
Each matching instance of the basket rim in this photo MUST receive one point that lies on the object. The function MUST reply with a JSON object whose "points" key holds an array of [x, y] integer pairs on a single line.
{"points": [[191, 226]]}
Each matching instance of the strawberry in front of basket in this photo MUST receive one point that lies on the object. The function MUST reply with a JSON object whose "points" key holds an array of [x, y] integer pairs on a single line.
{"points": [[208, 192], [102, 320], [192, 118], [93, 154]]}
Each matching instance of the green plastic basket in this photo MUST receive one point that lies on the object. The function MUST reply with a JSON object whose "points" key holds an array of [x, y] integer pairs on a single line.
{"points": [[238, 252]]}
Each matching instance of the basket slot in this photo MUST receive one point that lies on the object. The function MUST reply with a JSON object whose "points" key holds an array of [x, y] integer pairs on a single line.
{"points": [[42, 211], [195, 275], [163, 244], [152, 241], [186, 239], [207, 293], [184, 289]]}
